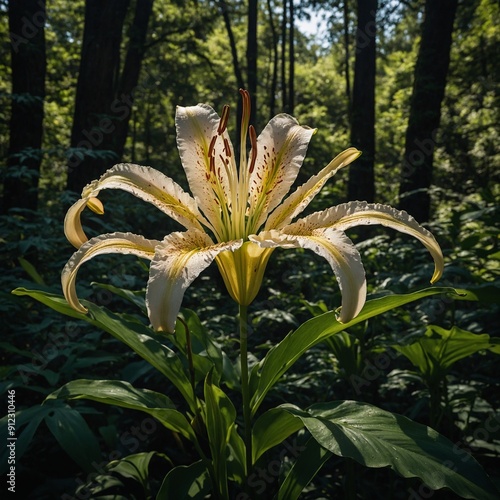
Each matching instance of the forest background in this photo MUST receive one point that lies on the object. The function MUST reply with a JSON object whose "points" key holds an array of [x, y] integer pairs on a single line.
{"points": [[413, 84]]}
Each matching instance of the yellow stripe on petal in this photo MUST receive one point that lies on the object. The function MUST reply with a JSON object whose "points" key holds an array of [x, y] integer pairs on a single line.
{"points": [[358, 213], [178, 260], [299, 200], [281, 148], [208, 159], [123, 243], [153, 187], [340, 253]]}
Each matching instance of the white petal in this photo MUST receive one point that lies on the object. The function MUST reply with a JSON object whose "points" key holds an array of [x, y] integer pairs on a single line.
{"points": [[340, 253], [178, 260], [73, 225], [357, 213], [124, 243], [152, 186], [281, 148], [209, 180], [299, 200]]}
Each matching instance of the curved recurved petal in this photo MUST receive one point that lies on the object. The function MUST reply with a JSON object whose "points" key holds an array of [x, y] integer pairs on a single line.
{"points": [[147, 184], [281, 148], [178, 260], [357, 213], [340, 253], [73, 224], [152, 186], [299, 200], [124, 243], [207, 157]]}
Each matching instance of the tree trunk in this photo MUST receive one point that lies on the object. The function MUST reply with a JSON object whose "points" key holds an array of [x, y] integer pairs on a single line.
{"points": [[425, 107], [361, 184], [347, 57], [28, 61], [274, 79], [284, 90], [291, 60], [132, 67], [96, 112], [252, 57]]}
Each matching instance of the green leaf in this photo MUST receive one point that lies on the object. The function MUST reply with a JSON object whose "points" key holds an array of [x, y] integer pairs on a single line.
{"points": [[30, 419], [74, 436], [123, 394], [378, 438], [438, 349], [271, 429], [303, 470], [220, 419], [191, 481], [32, 272], [135, 467], [135, 335], [282, 356]]}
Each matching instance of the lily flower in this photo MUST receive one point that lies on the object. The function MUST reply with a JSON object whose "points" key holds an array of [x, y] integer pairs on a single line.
{"points": [[235, 216]]}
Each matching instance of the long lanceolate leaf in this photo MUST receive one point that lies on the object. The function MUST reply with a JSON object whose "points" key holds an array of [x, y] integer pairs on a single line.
{"points": [[136, 336], [118, 393], [378, 438], [282, 356]]}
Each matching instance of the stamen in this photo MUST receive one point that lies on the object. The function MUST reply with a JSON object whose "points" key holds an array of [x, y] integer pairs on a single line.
{"points": [[223, 120], [227, 148], [212, 146], [253, 142]]}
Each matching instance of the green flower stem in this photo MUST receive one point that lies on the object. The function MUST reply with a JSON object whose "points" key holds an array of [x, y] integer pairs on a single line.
{"points": [[245, 390], [189, 351]]}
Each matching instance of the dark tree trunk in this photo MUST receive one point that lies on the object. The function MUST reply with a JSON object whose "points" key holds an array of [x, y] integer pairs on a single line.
{"points": [[425, 107], [361, 184], [291, 60], [284, 90], [28, 61], [96, 112], [132, 68], [252, 57], [236, 63], [274, 79], [232, 43], [347, 56]]}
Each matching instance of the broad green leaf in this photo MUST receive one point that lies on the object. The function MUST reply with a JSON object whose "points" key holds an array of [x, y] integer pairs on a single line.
{"points": [[271, 429], [191, 481], [123, 394], [135, 467], [135, 335], [438, 349], [220, 419], [378, 438], [136, 298], [303, 470], [30, 419], [282, 356], [74, 436]]}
